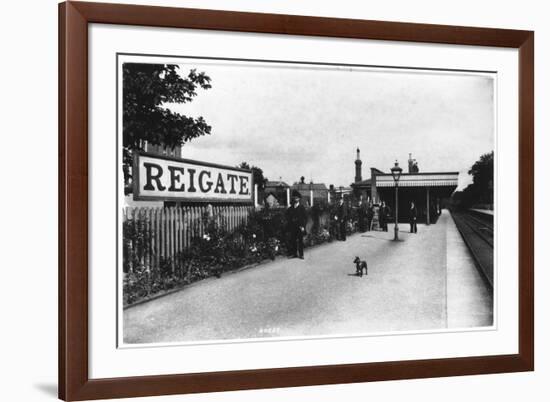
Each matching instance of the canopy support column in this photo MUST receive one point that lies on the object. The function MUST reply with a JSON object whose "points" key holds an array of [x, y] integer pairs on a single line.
{"points": [[427, 205]]}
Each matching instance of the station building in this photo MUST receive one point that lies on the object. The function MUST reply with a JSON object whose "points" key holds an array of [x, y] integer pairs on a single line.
{"points": [[428, 190], [312, 193], [275, 193]]}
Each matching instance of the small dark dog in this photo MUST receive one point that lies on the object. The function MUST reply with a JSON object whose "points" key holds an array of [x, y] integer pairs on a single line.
{"points": [[360, 266]]}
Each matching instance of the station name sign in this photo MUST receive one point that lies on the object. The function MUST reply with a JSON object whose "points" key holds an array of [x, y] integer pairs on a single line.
{"points": [[173, 179]]}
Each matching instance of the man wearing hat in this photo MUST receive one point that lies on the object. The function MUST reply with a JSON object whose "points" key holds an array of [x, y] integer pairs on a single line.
{"points": [[296, 219], [341, 218]]}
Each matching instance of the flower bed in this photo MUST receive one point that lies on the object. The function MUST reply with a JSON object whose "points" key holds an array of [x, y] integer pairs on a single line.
{"points": [[263, 238]]}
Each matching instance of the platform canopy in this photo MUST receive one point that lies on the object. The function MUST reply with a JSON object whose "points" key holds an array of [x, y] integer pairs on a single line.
{"points": [[446, 179]]}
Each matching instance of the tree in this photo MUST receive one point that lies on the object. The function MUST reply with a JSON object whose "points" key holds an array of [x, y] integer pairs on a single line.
{"points": [[482, 171], [257, 174], [481, 190], [147, 88]]}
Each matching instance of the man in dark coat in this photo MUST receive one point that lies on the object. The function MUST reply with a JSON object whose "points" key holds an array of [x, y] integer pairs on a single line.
{"points": [[383, 216], [413, 214], [296, 219], [362, 216], [370, 215], [341, 218]]}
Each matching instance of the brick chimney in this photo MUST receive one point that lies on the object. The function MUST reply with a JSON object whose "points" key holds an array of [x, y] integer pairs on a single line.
{"points": [[358, 164]]}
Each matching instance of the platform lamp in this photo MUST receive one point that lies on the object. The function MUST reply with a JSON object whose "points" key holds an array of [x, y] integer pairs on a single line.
{"points": [[396, 173]]}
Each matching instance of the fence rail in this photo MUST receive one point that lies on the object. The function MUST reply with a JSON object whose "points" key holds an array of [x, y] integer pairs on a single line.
{"points": [[156, 236]]}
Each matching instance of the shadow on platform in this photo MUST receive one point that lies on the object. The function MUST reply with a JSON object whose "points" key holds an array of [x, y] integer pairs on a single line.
{"points": [[379, 238]]}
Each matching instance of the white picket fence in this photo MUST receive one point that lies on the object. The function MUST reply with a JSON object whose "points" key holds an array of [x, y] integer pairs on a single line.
{"points": [[162, 234]]}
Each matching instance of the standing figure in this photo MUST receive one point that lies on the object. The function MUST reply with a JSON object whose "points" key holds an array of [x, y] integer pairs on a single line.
{"points": [[413, 214], [296, 219], [370, 215], [341, 218], [383, 216], [362, 216]]}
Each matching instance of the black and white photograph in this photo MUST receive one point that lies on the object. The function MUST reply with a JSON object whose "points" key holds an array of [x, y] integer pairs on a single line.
{"points": [[267, 201], [283, 200]]}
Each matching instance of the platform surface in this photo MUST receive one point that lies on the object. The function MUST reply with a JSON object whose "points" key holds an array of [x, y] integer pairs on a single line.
{"points": [[426, 281], [484, 211]]}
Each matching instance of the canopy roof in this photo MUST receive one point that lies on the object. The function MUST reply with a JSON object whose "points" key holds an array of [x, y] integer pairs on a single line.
{"points": [[444, 179]]}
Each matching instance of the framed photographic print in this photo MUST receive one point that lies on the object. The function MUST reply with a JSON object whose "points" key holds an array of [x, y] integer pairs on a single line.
{"points": [[258, 201]]}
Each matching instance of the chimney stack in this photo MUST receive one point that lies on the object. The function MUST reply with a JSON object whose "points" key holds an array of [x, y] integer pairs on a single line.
{"points": [[358, 164]]}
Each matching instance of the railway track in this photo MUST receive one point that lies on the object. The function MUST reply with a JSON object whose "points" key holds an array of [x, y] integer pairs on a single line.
{"points": [[477, 233]]}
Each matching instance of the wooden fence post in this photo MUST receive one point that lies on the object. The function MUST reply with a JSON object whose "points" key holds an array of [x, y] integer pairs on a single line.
{"points": [[130, 249], [162, 234], [147, 238]]}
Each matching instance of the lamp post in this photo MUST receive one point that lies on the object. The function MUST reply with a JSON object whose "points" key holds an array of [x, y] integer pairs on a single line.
{"points": [[396, 173]]}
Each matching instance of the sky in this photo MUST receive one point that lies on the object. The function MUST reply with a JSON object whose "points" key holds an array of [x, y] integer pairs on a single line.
{"points": [[304, 120]]}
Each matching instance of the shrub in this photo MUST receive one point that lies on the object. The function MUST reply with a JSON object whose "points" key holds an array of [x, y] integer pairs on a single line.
{"points": [[263, 237], [135, 238]]}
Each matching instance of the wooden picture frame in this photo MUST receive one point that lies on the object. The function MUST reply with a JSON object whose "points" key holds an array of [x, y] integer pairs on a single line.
{"points": [[74, 381]]}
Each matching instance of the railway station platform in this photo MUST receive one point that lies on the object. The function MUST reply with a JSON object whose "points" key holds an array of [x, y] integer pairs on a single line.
{"points": [[483, 211], [426, 281]]}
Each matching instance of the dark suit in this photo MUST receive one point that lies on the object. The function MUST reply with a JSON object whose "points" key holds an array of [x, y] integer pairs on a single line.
{"points": [[341, 217], [370, 215], [383, 214], [413, 214], [296, 220], [362, 215]]}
